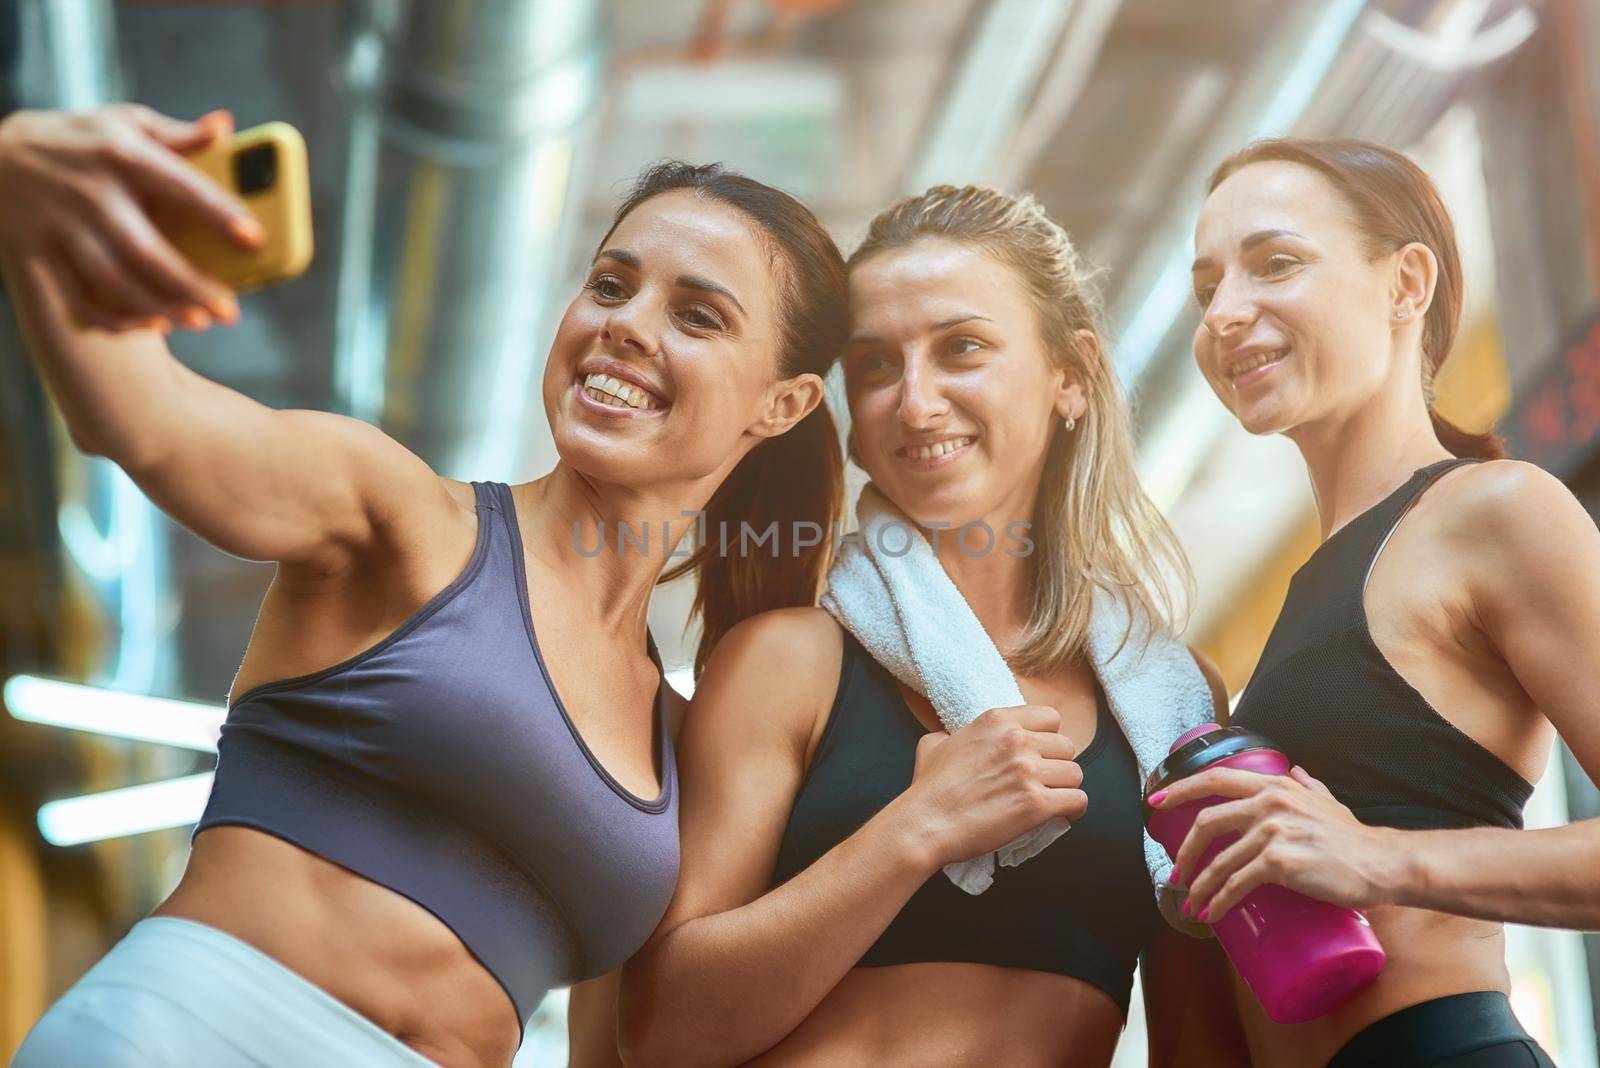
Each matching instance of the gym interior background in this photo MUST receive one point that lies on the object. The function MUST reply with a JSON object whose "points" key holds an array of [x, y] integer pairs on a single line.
{"points": [[465, 154]]}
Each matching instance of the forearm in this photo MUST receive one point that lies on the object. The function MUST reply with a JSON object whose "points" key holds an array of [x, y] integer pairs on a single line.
{"points": [[1541, 877], [722, 988], [115, 391], [259, 483]]}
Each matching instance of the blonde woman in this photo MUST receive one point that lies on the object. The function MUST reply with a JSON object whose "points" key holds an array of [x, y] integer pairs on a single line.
{"points": [[811, 923]]}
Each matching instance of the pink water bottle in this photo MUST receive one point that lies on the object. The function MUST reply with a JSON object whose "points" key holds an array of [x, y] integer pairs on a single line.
{"points": [[1299, 956]]}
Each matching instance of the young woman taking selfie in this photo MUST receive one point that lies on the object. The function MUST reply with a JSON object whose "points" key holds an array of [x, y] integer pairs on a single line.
{"points": [[379, 877]]}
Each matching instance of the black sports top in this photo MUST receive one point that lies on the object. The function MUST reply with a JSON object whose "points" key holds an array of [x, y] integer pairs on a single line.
{"points": [[1328, 696], [1082, 908]]}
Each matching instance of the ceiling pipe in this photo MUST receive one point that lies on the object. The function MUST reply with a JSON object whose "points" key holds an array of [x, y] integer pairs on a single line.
{"points": [[66, 54], [1062, 84], [470, 124], [992, 86]]}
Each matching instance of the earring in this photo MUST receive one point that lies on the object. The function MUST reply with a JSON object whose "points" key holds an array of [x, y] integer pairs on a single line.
{"points": [[1402, 314], [1072, 424]]}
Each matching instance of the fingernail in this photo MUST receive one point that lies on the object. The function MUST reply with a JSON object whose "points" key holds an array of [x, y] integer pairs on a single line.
{"points": [[1157, 797], [194, 318], [159, 323], [246, 229], [225, 310], [1186, 908], [1173, 878], [1204, 913]]}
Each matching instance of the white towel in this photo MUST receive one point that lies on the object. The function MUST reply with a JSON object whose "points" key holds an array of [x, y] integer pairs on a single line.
{"points": [[888, 589]]}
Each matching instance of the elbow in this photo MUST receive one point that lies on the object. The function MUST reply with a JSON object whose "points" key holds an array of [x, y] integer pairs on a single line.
{"points": [[666, 1042], [643, 1036], [86, 440], [662, 1052], [644, 1046], [652, 1031], [140, 457], [636, 1049]]}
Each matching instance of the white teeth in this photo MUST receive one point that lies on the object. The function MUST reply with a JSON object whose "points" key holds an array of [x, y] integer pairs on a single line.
{"points": [[1261, 359], [609, 391], [940, 448]]}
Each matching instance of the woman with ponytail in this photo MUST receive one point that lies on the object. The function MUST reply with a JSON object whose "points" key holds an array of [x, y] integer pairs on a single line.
{"points": [[813, 924], [1443, 635], [446, 781]]}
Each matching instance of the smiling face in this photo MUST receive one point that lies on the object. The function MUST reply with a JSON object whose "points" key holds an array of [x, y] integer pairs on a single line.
{"points": [[1296, 313], [663, 366], [953, 395]]}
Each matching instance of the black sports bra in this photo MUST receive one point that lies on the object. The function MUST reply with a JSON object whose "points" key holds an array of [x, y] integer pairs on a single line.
{"points": [[1083, 908], [1328, 696]]}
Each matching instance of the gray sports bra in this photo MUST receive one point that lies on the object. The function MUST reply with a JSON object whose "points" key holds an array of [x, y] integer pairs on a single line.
{"points": [[441, 764]]}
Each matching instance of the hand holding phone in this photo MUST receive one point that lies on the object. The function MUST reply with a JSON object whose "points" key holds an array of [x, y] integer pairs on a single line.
{"points": [[265, 168], [95, 202]]}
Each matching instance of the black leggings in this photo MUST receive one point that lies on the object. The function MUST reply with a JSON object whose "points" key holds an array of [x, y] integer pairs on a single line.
{"points": [[1461, 1031]]}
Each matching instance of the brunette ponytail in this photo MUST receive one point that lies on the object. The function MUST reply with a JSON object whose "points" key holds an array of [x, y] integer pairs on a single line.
{"points": [[794, 481], [1485, 446]]}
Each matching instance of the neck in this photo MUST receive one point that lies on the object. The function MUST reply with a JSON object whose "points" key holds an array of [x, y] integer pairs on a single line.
{"points": [[991, 579], [563, 516], [1358, 458]]}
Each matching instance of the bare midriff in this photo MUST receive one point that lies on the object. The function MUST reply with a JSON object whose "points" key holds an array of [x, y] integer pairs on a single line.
{"points": [[930, 1015], [376, 951], [1430, 955]]}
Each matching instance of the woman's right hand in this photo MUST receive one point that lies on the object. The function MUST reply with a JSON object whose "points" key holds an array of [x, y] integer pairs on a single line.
{"points": [[999, 777], [74, 187]]}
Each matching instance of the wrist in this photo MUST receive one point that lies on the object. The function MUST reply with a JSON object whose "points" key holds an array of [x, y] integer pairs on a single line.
{"points": [[912, 839], [1402, 872]]}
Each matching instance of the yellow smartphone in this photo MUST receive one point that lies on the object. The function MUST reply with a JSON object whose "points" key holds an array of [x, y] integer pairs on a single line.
{"points": [[265, 167]]}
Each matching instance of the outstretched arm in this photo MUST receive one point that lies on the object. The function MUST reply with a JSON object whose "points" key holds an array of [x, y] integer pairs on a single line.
{"points": [[96, 285]]}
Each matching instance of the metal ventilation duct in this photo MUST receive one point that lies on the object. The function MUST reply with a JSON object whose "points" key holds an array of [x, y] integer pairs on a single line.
{"points": [[470, 121]]}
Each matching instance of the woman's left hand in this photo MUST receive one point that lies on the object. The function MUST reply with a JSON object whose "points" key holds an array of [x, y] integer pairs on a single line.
{"points": [[1292, 832]]}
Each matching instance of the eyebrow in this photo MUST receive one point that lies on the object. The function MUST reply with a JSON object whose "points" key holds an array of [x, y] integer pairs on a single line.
{"points": [[942, 324], [1206, 262], [687, 281], [706, 285]]}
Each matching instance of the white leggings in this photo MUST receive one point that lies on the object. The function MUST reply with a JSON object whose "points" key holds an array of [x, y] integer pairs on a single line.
{"points": [[179, 994]]}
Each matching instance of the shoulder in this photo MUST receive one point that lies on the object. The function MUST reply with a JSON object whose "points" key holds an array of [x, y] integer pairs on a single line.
{"points": [[1213, 677], [805, 634], [366, 453], [777, 670], [1499, 491], [1510, 511], [1516, 540], [428, 519]]}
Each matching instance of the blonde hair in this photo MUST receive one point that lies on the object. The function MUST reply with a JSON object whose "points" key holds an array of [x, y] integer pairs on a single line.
{"points": [[1093, 525]]}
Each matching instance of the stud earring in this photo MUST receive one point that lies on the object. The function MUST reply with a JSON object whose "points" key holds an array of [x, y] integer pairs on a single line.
{"points": [[1402, 314]]}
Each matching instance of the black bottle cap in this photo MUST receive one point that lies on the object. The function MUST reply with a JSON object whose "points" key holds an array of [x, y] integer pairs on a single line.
{"points": [[1199, 753]]}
